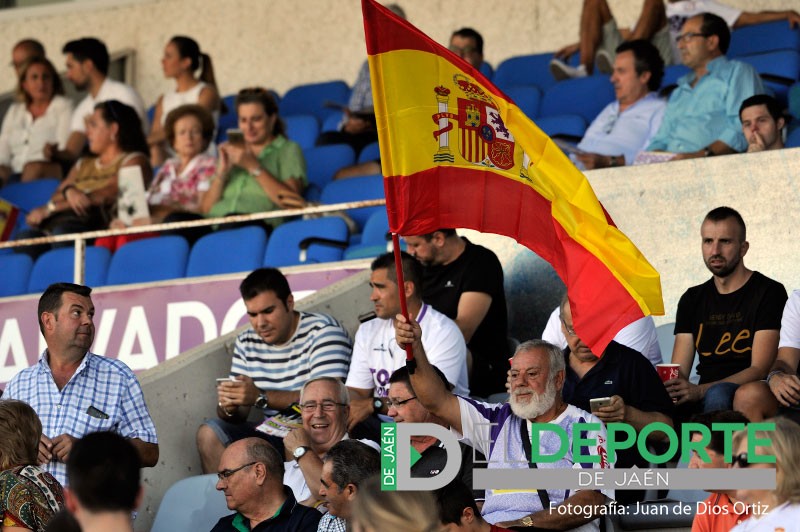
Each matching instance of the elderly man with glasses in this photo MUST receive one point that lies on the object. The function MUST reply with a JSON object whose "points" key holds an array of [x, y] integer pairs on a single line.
{"points": [[325, 408], [251, 477]]}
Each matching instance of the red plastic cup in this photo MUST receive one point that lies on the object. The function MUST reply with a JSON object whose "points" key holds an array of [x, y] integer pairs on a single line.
{"points": [[667, 371]]}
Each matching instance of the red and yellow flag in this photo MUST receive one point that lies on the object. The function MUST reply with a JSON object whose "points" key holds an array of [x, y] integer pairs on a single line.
{"points": [[457, 152]]}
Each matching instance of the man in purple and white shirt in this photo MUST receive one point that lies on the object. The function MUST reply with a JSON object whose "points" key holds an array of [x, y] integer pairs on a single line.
{"points": [[376, 355], [500, 431]]}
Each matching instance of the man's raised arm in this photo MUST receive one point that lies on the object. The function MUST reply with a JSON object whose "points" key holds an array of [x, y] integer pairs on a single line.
{"points": [[430, 389]]}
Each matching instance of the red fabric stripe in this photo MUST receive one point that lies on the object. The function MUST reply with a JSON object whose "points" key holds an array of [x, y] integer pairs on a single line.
{"points": [[491, 203]]}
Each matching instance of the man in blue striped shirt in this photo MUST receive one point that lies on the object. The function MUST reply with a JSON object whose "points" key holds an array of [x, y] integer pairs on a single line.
{"points": [[272, 359], [75, 392]]}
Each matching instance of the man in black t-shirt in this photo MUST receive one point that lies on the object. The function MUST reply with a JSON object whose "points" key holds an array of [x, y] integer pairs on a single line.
{"points": [[731, 320], [626, 377], [464, 281]]}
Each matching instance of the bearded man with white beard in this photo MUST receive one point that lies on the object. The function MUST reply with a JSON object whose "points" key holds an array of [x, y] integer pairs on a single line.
{"points": [[501, 431]]}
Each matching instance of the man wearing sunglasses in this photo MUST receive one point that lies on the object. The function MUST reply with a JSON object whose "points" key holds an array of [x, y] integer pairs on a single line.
{"points": [[702, 116], [251, 477]]}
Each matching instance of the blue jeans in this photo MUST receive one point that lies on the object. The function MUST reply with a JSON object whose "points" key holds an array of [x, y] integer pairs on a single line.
{"points": [[719, 397]]}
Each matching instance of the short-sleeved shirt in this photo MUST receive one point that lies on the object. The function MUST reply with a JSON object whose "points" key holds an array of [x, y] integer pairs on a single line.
{"points": [[319, 347], [495, 431], [790, 322], [721, 514], [700, 115], [292, 517], [29, 497], [102, 395], [723, 325], [376, 354], [639, 335], [627, 373], [183, 188], [283, 159], [477, 269], [627, 132], [109, 90], [22, 138]]}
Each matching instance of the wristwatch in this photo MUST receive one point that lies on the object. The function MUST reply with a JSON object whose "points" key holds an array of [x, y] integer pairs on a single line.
{"points": [[708, 153], [526, 521], [377, 404], [262, 401], [300, 452], [255, 171]]}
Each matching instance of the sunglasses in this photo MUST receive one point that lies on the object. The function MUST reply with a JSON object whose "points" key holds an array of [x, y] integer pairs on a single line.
{"points": [[740, 460]]}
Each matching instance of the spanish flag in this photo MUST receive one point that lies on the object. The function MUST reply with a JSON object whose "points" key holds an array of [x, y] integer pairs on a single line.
{"points": [[457, 152]]}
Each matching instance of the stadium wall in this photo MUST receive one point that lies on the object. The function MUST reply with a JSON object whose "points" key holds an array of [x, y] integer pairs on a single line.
{"points": [[660, 207], [282, 43]]}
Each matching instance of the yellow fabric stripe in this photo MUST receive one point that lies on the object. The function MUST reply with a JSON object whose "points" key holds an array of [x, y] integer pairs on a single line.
{"points": [[408, 102]]}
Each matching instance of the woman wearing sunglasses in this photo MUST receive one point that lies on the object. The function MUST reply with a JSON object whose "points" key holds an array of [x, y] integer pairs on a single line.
{"points": [[777, 509]]}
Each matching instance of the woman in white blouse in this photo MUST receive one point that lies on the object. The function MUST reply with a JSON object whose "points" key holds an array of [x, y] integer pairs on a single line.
{"points": [[182, 58], [42, 116]]}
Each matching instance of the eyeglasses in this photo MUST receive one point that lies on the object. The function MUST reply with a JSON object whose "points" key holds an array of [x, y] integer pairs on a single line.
{"points": [[395, 402], [740, 460], [226, 473], [327, 406], [568, 328], [689, 35]]}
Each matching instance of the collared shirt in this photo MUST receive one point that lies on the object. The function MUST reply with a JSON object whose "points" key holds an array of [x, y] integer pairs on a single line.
{"points": [[331, 523], [22, 137], [292, 517], [700, 115], [102, 395], [283, 159], [627, 132], [109, 90]]}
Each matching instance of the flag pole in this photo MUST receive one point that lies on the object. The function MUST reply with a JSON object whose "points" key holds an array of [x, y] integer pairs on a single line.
{"points": [[411, 364]]}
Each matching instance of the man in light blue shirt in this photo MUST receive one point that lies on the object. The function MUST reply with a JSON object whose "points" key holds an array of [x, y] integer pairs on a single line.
{"points": [[626, 125], [702, 116], [75, 392]]}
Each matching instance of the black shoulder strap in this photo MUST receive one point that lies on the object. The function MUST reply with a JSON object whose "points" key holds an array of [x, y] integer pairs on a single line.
{"points": [[526, 446]]}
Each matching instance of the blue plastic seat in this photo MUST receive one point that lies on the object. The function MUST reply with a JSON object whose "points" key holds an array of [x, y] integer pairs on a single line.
{"points": [[148, 260], [375, 238], [672, 73], [767, 37], [303, 129], [16, 268], [573, 126], [525, 70], [580, 96], [793, 140], [370, 152], [355, 189], [332, 122], [227, 120], [228, 251], [322, 162], [324, 240], [58, 265], [778, 69], [528, 99], [28, 196], [191, 504], [312, 98]]}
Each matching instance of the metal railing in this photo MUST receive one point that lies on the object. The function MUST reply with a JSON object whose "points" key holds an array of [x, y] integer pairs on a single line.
{"points": [[81, 238]]}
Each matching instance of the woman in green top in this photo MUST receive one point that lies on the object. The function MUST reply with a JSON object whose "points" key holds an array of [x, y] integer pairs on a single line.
{"points": [[265, 172]]}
